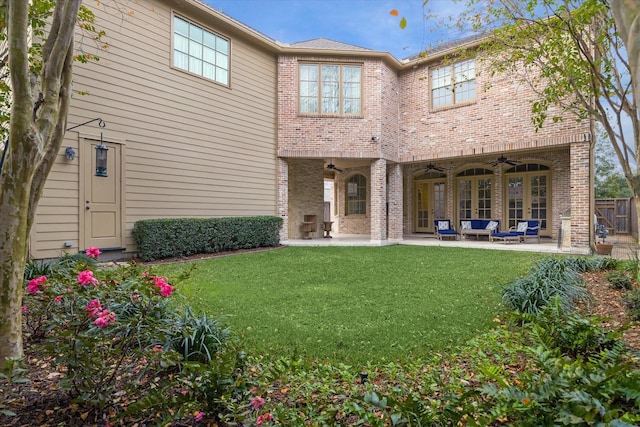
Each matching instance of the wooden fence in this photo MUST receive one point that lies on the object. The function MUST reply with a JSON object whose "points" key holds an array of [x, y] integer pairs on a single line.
{"points": [[618, 215]]}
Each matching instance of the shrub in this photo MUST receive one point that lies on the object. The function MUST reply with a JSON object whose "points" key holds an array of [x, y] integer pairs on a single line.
{"points": [[111, 333], [164, 238], [199, 338], [549, 278], [582, 264], [570, 333], [632, 303], [619, 280]]}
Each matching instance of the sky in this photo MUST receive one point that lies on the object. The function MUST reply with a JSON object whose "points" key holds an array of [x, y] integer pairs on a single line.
{"points": [[364, 23]]}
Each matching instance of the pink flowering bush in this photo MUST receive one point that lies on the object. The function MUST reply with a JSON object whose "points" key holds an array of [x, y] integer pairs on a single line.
{"points": [[115, 333]]}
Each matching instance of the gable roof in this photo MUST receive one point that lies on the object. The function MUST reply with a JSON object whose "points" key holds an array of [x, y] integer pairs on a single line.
{"points": [[322, 43]]}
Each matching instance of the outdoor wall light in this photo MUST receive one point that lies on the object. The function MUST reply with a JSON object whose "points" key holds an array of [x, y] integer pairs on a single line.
{"points": [[374, 138], [101, 158], [69, 153]]}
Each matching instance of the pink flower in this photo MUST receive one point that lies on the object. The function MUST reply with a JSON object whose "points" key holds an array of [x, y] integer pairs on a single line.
{"points": [[165, 289], [93, 307], [34, 284], [159, 281], [105, 318], [264, 417], [86, 278], [23, 308], [93, 252], [198, 415], [58, 298], [257, 402]]}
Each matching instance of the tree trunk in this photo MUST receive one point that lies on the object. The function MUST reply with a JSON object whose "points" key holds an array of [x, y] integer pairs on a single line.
{"points": [[35, 135], [627, 16]]}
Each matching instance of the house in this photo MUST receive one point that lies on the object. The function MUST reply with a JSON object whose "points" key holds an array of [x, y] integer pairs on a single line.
{"points": [[205, 117]]}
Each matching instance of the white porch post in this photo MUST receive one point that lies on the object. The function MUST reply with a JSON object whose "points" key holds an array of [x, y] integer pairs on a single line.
{"points": [[395, 192], [283, 197], [378, 201]]}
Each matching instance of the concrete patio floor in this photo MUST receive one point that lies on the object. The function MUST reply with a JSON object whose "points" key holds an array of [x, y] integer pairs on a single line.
{"points": [[623, 245]]}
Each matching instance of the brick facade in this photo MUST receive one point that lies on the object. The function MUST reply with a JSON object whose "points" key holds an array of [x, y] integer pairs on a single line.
{"points": [[408, 135]]}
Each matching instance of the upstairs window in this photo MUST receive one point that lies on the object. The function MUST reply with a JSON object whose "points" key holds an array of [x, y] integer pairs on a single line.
{"points": [[333, 89], [453, 84], [200, 52], [356, 195]]}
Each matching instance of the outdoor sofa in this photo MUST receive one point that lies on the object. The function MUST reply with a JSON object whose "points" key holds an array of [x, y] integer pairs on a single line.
{"points": [[479, 227]]}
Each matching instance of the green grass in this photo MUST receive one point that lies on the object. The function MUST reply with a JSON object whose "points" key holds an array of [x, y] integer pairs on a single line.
{"points": [[354, 304]]}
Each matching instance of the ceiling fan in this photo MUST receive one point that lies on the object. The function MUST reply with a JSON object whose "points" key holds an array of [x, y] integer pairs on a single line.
{"points": [[503, 159], [432, 167], [333, 167]]}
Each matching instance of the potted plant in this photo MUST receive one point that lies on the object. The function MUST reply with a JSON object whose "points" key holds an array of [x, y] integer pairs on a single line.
{"points": [[603, 248]]}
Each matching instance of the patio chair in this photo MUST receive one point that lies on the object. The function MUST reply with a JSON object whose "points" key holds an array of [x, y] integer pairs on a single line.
{"points": [[445, 229], [527, 229]]}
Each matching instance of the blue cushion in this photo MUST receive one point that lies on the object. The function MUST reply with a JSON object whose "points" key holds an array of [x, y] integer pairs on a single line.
{"points": [[447, 232], [509, 234]]}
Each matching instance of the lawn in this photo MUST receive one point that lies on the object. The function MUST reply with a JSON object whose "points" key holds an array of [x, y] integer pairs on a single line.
{"points": [[354, 304]]}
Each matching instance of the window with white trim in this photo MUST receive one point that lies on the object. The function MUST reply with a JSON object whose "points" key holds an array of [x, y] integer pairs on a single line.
{"points": [[334, 89], [200, 51], [453, 83]]}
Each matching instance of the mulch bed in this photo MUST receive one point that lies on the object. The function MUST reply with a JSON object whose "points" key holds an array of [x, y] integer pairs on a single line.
{"points": [[41, 403]]}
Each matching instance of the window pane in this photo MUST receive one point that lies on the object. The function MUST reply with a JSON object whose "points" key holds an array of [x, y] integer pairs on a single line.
{"points": [[330, 73], [181, 26], [209, 71], [181, 43], [222, 75], [441, 96], [351, 74], [464, 71], [441, 77], [222, 61], [465, 91], [181, 60], [222, 45], [195, 65], [330, 105], [351, 106], [309, 105], [308, 73], [195, 33], [209, 40], [208, 55], [195, 49]]}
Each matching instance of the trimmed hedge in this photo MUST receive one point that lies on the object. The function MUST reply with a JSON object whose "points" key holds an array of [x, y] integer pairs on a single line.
{"points": [[177, 237]]}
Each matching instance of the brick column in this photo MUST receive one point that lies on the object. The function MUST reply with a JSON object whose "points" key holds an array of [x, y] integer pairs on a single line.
{"points": [[283, 197], [378, 204], [395, 201], [580, 195]]}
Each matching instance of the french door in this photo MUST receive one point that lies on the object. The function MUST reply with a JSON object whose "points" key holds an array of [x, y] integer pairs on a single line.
{"points": [[431, 203], [474, 198], [529, 197]]}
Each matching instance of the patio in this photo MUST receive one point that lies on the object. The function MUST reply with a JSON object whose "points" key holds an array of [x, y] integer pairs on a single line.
{"points": [[623, 248]]}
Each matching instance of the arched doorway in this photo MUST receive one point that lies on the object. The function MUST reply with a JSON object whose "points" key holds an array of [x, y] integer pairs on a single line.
{"points": [[475, 193], [528, 194]]}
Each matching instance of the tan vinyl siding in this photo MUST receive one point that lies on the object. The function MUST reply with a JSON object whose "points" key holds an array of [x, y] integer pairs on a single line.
{"points": [[194, 148]]}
